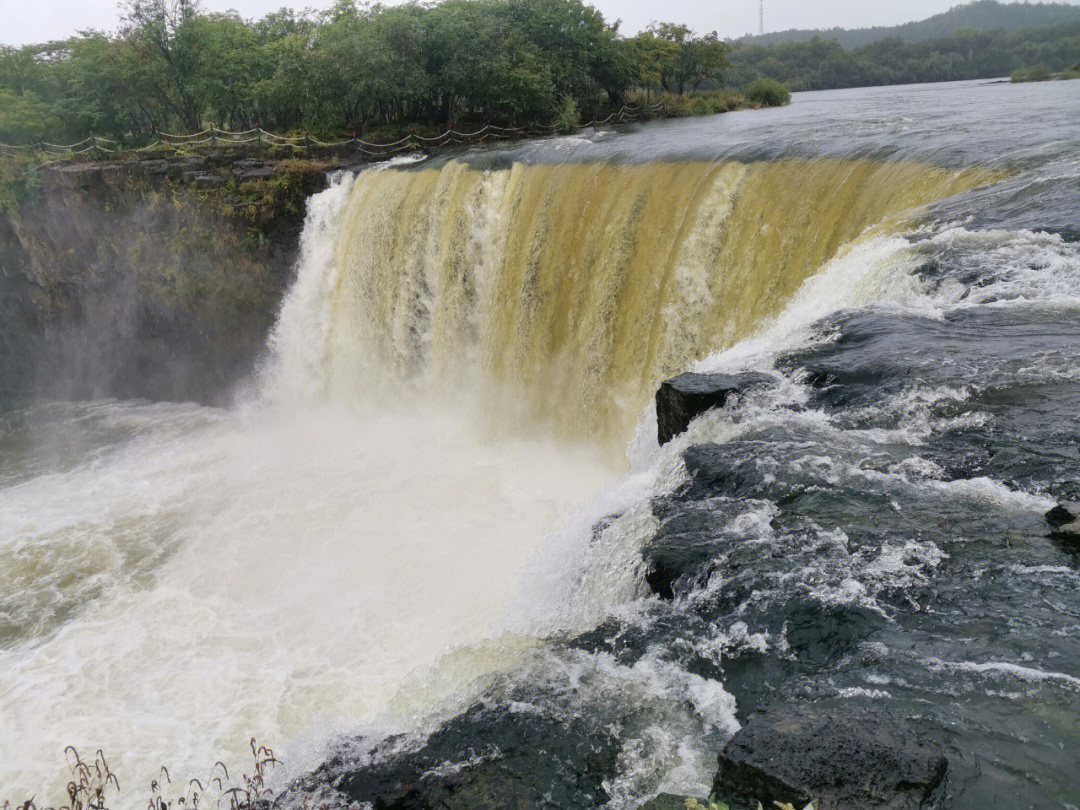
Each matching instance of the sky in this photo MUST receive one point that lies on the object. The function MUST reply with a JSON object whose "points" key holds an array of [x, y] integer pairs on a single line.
{"points": [[24, 21]]}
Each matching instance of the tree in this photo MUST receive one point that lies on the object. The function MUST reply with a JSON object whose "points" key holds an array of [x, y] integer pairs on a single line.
{"points": [[675, 58], [655, 58]]}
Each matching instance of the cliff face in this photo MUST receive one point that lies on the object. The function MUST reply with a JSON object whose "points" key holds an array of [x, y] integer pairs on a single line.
{"points": [[154, 278]]}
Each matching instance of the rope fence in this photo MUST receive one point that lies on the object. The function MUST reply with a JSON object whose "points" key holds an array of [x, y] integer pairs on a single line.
{"points": [[628, 113]]}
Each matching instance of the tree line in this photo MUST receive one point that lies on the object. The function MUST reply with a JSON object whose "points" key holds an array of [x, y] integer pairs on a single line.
{"points": [[355, 68], [822, 64]]}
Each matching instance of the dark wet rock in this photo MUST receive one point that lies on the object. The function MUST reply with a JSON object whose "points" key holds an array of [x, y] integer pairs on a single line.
{"points": [[488, 758], [1069, 534], [627, 644], [682, 398], [669, 564], [1062, 515], [203, 179], [819, 633], [677, 555], [258, 174], [669, 801], [720, 469], [1066, 232], [840, 758], [1064, 522], [154, 166]]}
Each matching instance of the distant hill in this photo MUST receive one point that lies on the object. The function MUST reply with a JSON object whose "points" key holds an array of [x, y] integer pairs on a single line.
{"points": [[982, 15]]}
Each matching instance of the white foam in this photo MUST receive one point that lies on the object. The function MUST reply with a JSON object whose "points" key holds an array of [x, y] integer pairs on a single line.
{"points": [[1003, 669]]}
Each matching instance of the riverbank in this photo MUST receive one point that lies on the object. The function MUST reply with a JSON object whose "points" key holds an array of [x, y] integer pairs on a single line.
{"points": [[1040, 73], [385, 142]]}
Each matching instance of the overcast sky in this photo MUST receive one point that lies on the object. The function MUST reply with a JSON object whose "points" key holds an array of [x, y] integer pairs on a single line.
{"points": [[23, 21]]}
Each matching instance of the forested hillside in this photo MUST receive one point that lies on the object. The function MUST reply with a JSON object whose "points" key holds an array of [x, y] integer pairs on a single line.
{"points": [[824, 64], [979, 16]]}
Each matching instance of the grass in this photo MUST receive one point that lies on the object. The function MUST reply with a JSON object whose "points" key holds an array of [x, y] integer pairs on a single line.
{"points": [[709, 102], [1036, 73], [1040, 73], [93, 784], [20, 181]]}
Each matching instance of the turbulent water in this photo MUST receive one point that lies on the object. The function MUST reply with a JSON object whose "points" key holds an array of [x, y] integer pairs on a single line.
{"points": [[432, 509]]}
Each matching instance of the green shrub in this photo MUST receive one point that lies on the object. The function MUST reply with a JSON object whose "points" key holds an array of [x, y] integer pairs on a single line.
{"points": [[696, 102], [20, 182], [766, 92], [568, 119], [1037, 73]]}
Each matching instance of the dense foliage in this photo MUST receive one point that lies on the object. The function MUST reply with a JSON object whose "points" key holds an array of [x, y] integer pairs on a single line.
{"points": [[823, 64], [981, 15], [352, 68], [768, 93]]}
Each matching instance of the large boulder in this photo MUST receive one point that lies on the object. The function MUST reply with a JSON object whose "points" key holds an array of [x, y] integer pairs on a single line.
{"points": [[839, 758], [1062, 515], [491, 757], [1064, 521], [682, 398]]}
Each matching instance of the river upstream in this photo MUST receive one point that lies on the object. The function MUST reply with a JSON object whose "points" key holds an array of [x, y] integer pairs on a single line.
{"points": [[419, 541]]}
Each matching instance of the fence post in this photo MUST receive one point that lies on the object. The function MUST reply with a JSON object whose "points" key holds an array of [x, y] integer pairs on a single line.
{"points": [[213, 136]]}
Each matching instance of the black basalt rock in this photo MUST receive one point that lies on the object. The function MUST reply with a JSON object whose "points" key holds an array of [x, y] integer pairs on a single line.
{"points": [[491, 757], [668, 564], [682, 398], [839, 758], [1064, 522], [1062, 515], [669, 801]]}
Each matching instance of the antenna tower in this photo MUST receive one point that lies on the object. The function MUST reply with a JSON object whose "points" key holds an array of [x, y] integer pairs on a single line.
{"points": [[761, 15]]}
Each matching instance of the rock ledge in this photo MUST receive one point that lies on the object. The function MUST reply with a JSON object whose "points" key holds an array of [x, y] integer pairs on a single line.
{"points": [[682, 398], [840, 758]]}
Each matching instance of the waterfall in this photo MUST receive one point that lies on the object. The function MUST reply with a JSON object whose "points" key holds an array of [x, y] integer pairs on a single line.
{"points": [[412, 485], [573, 288]]}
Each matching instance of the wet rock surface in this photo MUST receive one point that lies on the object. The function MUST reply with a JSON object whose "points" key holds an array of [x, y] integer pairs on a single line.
{"points": [[681, 399], [1064, 521], [490, 757], [669, 801], [843, 758], [155, 278], [1062, 515]]}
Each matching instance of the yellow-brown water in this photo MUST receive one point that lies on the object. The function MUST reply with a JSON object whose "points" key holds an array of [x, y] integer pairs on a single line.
{"points": [[579, 286]]}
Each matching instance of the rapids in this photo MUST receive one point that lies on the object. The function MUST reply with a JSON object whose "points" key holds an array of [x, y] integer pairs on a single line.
{"points": [[441, 487]]}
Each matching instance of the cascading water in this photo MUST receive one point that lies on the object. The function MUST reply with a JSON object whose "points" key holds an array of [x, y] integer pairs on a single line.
{"points": [[420, 517], [576, 287]]}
